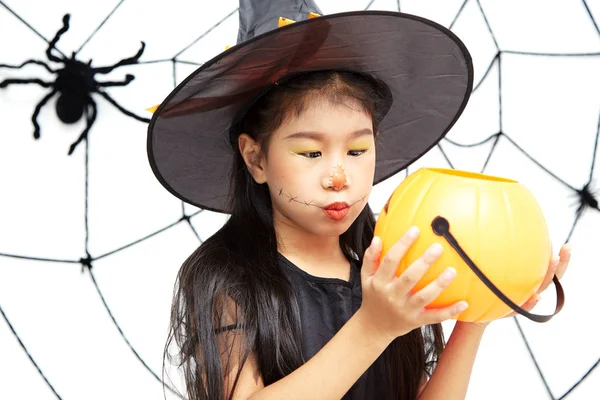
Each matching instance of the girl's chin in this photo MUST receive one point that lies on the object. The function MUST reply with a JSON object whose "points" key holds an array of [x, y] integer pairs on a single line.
{"points": [[331, 227], [325, 228]]}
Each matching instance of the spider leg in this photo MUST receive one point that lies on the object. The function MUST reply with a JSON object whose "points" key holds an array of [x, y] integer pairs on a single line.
{"points": [[43, 64], [580, 209], [124, 111], [90, 116], [52, 44], [40, 82], [128, 79], [36, 112], [127, 61]]}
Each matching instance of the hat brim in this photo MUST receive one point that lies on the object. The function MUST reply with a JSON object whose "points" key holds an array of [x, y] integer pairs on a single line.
{"points": [[427, 68]]}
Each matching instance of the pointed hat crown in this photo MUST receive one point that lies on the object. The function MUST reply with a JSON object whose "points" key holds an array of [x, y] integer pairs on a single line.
{"points": [[261, 16]]}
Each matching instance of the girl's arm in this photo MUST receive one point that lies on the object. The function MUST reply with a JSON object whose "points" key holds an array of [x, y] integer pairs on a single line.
{"points": [[450, 378], [331, 372]]}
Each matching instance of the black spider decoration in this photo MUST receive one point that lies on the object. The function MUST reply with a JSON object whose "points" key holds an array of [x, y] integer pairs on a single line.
{"points": [[74, 84], [587, 198]]}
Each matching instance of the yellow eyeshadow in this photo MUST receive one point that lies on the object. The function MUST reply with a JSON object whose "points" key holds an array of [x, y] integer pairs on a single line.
{"points": [[303, 150], [358, 145], [361, 145]]}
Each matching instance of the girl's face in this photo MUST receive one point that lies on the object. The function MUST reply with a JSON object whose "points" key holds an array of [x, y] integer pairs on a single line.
{"points": [[320, 168]]}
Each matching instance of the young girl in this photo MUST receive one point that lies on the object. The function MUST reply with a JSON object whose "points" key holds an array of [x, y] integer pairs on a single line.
{"points": [[291, 299]]}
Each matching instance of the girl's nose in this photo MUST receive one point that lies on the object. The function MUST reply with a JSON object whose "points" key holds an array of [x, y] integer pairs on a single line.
{"points": [[338, 179]]}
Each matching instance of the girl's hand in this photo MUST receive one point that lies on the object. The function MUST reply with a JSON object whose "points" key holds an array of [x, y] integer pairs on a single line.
{"points": [[388, 304], [558, 266]]}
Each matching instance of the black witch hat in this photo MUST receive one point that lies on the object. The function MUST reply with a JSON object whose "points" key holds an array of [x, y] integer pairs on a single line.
{"points": [[426, 70]]}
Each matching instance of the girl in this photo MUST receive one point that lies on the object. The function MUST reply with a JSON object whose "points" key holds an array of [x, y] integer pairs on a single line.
{"points": [[291, 299]]}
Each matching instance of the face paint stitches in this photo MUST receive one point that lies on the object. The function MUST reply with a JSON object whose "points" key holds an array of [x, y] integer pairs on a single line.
{"points": [[283, 193]]}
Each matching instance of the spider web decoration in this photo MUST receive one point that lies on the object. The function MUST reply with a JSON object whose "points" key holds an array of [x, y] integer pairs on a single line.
{"points": [[533, 116]]}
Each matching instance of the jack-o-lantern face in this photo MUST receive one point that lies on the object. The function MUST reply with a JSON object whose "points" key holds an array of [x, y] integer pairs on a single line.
{"points": [[495, 222]]}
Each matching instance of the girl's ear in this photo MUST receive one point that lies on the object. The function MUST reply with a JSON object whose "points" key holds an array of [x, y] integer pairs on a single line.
{"points": [[253, 157]]}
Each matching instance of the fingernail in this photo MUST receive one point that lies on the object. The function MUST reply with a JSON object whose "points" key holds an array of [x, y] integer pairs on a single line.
{"points": [[375, 243], [462, 306], [448, 275], [413, 232], [435, 249]]}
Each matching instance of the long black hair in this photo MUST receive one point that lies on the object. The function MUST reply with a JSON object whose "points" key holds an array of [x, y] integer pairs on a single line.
{"points": [[239, 266]]}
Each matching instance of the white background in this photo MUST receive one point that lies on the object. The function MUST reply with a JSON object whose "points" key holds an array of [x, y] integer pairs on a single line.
{"points": [[550, 108]]}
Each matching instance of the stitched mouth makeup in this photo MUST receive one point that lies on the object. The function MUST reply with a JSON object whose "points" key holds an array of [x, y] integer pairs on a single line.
{"points": [[335, 211]]}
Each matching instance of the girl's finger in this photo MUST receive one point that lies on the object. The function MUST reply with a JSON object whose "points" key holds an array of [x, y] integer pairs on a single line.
{"points": [[532, 302], [528, 306], [549, 274], [389, 264], [565, 258], [371, 257], [437, 315], [409, 278], [430, 292]]}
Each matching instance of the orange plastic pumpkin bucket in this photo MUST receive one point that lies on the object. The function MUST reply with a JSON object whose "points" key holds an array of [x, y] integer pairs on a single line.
{"points": [[496, 222]]}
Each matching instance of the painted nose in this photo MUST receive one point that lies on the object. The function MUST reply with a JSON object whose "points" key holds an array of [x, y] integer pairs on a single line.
{"points": [[338, 178]]}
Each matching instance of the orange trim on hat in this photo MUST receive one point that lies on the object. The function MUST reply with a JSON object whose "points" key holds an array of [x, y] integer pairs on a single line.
{"points": [[153, 108], [286, 21]]}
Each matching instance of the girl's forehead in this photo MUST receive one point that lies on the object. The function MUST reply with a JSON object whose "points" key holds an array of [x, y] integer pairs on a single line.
{"points": [[326, 118]]}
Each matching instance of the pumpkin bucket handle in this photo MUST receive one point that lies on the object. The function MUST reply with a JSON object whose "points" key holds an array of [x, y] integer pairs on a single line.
{"points": [[441, 227]]}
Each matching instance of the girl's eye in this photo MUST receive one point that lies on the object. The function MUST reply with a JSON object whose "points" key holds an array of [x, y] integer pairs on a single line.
{"points": [[315, 154], [356, 153], [311, 154]]}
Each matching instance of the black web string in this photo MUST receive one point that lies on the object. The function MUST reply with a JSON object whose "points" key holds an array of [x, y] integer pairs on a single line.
{"points": [[580, 380], [30, 27], [460, 10], [88, 260], [589, 13], [174, 60], [86, 198], [28, 354], [112, 317], [533, 358], [99, 27]]}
